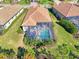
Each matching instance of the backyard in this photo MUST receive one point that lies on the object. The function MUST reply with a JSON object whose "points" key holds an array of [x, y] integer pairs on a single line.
{"points": [[11, 38], [62, 37]]}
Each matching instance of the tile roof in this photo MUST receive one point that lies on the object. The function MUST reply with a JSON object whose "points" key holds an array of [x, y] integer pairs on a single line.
{"points": [[67, 9], [30, 22], [7, 12], [38, 14]]}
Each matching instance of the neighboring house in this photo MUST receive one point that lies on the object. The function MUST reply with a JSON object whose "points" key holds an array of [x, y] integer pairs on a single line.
{"points": [[68, 11], [37, 23], [8, 14]]}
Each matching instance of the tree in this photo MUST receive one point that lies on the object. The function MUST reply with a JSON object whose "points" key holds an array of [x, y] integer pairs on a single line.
{"points": [[72, 55], [69, 26], [9, 53], [21, 53]]}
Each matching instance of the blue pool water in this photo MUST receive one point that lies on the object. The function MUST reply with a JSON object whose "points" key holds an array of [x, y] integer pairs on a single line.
{"points": [[44, 34]]}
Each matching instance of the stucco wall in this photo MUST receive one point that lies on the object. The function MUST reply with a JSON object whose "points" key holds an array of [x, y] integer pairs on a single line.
{"points": [[57, 14], [75, 20], [25, 28]]}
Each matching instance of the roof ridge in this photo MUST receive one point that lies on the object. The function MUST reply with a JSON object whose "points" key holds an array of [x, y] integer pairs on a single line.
{"points": [[69, 9], [30, 16], [34, 11], [43, 15]]}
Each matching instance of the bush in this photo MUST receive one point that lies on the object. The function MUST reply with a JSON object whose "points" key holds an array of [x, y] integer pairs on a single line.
{"points": [[8, 53], [36, 42], [20, 53], [72, 55], [69, 26], [63, 49], [20, 30]]}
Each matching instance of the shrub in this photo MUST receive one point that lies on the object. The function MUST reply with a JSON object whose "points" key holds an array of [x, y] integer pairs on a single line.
{"points": [[19, 30], [72, 55], [20, 53], [69, 26], [36, 42], [63, 49]]}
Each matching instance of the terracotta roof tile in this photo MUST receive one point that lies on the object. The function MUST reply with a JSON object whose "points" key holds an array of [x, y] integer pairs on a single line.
{"points": [[30, 22], [6, 13], [67, 9], [38, 14]]}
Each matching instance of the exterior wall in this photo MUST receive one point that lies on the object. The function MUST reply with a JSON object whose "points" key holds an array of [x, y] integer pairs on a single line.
{"points": [[25, 28], [12, 19], [57, 14], [75, 20]]}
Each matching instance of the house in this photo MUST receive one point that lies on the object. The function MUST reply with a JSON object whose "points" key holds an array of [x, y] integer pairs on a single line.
{"points": [[68, 11], [37, 23], [8, 14]]}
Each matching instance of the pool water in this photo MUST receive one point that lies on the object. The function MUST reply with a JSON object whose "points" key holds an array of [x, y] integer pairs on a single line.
{"points": [[44, 34]]}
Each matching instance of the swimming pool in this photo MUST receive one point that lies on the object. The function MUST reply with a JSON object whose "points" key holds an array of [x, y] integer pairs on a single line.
{"points": [[44, 34]]}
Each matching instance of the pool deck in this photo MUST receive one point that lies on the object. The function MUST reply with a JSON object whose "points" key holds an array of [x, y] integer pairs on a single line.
{"points": [[35, 32]]}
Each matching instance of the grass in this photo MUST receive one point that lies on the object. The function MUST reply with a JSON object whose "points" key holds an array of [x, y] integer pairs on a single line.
{"points": [[62, 36], [11, 37], [24, 2], [7, 1]]}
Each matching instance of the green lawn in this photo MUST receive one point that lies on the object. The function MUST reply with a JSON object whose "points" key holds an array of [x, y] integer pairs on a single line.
{"points": [[7, 1], [24, 2], [62, 36], [11, 37]]}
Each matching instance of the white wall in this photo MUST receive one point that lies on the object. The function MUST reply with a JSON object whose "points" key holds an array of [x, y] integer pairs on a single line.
{"points": [[25, 28]]}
